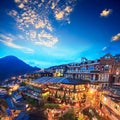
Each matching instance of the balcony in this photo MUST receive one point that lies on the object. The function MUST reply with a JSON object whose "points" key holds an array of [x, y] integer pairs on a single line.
{"points": [[79, 71]]}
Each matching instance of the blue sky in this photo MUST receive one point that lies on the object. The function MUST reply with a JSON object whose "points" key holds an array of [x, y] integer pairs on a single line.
{"points": [[44, 33]]}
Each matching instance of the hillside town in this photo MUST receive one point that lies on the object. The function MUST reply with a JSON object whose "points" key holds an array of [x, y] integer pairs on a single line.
{"points": [[59, 59], [86, 90]]}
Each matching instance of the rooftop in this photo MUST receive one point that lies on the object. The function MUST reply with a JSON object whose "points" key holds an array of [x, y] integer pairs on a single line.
{"points": [[44, 80]]}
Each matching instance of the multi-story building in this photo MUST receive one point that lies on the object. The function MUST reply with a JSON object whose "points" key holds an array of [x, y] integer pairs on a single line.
{"points": [[59, 89], [102, 70], [58, 70], [86, 70], [116, 69], [106, 70]]}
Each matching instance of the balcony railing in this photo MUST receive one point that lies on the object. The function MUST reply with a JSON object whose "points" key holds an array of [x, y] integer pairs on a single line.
{"points": [[80, 71]]}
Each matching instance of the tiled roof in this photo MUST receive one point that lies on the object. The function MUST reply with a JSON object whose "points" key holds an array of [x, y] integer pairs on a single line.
{"points": [[44, 80]]}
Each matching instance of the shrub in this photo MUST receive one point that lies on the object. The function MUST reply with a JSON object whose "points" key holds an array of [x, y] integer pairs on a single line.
{"points": [[70, 115], [52, 106]]}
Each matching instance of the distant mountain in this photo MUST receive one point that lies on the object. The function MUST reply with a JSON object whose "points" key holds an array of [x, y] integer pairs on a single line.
{"points": [[12, 66]]}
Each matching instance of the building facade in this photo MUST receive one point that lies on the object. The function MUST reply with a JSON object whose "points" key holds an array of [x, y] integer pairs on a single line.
{"points": [[104, 70]]}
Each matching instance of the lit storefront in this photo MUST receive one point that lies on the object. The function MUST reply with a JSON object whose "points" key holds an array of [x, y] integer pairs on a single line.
{"points": [[68, 93]]}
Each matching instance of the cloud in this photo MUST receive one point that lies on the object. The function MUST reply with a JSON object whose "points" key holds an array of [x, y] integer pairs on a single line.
{"points": [[104, 48], [68, 9], [25, 1], [13, 13], [46, 39], [42, 0], [60, 15], [30, 17], [53, 5], [33, 34], [8, 41], [116, 37], [17, 1], [34, 17], [32, 13], [105, 12], [40, 24], [20, 36], [21, 5]]}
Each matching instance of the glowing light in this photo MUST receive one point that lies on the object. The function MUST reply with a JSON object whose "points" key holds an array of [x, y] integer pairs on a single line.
{"points": [[105, 99], [15, 87], [27, 105], [10, 93], [45, 94], [77, 105], [117, 73], [92, 91]]}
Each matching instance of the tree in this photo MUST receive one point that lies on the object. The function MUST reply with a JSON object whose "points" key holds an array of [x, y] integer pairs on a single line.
{"points": [[70, 115], [23, 84], [52, 106]]}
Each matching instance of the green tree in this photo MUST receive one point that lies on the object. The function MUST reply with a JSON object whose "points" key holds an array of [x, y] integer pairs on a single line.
{"points": [[52, 106], [70, 115], [23, 84]]}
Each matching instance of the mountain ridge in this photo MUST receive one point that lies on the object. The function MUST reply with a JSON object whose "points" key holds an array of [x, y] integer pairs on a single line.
{"points": [[13, 66]]}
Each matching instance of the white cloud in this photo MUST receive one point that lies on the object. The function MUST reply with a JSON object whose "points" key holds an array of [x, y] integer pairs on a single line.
{"points": [[34, 16], [31, 14], [68, 9], [42, 0], [59, 15], [46, 39], [43, 34], [105, 12], [8, 41], [21, 5], [17, 1], [29, 18], [62, 14], [25, 1], [53, 5], [116, 37], [13, 13], [40, 24], [33, 34], [20, 36], [104, 48]]}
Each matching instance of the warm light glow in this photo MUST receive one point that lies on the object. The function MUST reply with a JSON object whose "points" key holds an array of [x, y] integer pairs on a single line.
{"points": [[92, 91], [117, 72], [15, 87], [105, 99], [27, 105], [77, 105], [45, 94], [10, 93]]}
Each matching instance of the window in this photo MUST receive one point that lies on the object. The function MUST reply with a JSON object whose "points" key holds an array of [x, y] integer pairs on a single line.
{"points": [[91, 67], [97, 67], [107, 57], [106, 67]]}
